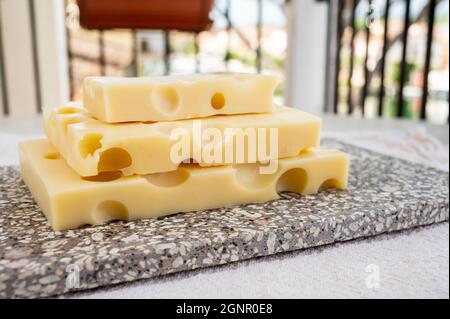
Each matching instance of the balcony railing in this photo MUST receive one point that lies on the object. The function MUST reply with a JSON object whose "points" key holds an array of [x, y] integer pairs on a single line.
{"points": [[353, 89]]}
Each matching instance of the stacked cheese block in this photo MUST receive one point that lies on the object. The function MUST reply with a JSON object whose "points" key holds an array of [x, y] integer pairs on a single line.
{"points": [[135, 149]]}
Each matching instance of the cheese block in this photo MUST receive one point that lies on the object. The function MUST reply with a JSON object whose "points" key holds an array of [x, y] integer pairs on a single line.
{"points": [[91, 146], [69, 201], [165, 98]]}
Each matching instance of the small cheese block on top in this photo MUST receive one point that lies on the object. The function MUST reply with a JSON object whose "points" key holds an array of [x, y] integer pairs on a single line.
{"points": [[91, 146], [69, 200], [166, 98]]}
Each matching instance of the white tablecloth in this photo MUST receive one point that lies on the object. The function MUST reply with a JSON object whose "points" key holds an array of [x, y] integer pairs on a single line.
{"points": [[408, 264]]}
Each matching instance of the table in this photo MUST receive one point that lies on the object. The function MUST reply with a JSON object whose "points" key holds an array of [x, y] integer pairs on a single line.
{"points": [[408, 264]]}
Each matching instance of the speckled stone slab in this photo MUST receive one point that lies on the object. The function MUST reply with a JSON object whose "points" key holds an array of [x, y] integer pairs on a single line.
{"points": [[385, 194]]}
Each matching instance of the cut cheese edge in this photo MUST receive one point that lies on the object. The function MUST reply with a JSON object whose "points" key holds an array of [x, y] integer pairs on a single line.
{"points": [[70, 201], [166, 98], [91, 146]]}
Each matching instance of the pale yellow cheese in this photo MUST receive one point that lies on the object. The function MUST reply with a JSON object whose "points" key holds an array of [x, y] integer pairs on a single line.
{"points": [[91, 146], [69, 201], [164, 98]]}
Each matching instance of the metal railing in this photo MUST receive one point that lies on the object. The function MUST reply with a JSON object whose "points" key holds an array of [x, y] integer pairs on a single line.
{"points": [[343, 25], [347, 20]]}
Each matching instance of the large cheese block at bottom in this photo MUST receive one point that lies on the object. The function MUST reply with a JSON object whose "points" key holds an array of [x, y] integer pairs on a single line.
{"points": [[70, 201]]}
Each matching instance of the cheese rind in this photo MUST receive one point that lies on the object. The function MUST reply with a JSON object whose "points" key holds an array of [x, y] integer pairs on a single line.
{"points": [[164, 98], [69, 201], [91, 146]]}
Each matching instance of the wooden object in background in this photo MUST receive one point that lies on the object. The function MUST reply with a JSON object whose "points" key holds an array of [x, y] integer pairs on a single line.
{"points": [[185, 15]]}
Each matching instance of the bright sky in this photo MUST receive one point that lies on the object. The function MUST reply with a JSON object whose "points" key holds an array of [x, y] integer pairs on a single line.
{"points": [[244, 12], [398, 8]]}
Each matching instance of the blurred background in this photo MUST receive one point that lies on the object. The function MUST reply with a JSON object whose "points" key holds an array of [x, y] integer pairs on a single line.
{"points": [[356, 58]]}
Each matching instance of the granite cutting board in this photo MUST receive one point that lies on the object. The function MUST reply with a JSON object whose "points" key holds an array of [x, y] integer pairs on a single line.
{"points": [[385, 194]]}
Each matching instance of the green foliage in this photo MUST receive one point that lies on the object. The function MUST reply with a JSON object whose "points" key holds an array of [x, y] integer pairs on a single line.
{"points": [[278, 61], [396, 68], [249, 58], [188, 48], [278, 92], [246, 59], [391, 108], [391, 102], [360, 24]]}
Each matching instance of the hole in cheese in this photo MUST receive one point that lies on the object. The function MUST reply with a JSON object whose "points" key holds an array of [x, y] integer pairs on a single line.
{"points": [[189, 161], [218, 101], [89, 144], [104, 177], [330, 183], [293, 180], [168, 179], [113, 159], [110, 210], [165, 99], [68, 110], [306, 153], [67, 122], [52, 156]]}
